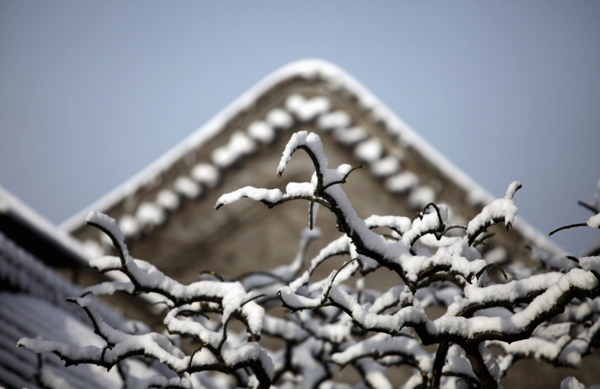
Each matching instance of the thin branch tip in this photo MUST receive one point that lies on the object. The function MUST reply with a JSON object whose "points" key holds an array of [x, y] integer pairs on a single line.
{"points": [[567, 227]]}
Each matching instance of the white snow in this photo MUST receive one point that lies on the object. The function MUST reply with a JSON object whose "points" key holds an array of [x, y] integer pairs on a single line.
{"points": [[303, 139], [386, 166], [261, 132], [535, 347], [256, 194], [400, 224], [239, 146], [504, 208], [369, 151], [108, 224], [129, 226], [334, 120], [186, 187], [92, 248], [106, 263], [374, 374], [337, 247], [206, 174], [508, 292], [427, 223], [307, 109], [512, 188], [188, 327], [594, 221], [590, 263], [286, 329], [402, 182], [279, 119], [148, 214], [350, 136], [457, 362], [490, 362], [497, 254], [571, 383], [167, 199], [108, 288], [298, 189], [381, 344], [421, 196]]}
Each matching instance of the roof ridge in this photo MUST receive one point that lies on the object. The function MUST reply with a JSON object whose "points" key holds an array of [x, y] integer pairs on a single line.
{"points": [[310, 69]]}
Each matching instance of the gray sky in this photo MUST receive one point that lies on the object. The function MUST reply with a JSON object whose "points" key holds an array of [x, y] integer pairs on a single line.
{"points": [[91, 92]]}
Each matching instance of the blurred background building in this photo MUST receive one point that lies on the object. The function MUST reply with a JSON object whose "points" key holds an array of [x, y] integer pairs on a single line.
{"points": [[91, 94], [167, 214], [167, 210]]}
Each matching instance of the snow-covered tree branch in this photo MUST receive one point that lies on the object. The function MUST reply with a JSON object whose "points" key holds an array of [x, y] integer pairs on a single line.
{"points": [[489, 322]]}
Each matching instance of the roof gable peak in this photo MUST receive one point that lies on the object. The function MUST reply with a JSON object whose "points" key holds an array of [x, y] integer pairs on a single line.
{"points": [[297, 107]]}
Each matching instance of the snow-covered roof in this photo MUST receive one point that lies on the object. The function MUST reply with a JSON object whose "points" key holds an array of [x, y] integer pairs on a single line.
{"points": [[34, 224], [33, 300], [22, 272], [296, 108], [32, 304], [24, 315], [27, 316]]}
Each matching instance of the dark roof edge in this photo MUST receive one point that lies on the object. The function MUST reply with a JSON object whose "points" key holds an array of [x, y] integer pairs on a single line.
{"points": [[39, 236]]}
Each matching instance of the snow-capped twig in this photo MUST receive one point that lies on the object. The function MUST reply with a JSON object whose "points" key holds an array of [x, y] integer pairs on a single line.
{"points": [[120, 346], [500, 210]]}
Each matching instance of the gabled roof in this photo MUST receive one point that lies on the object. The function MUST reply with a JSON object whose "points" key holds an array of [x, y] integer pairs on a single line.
{"points": [[296, 108]]}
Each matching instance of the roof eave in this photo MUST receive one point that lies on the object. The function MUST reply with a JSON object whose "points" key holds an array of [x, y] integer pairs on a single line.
{"points": [[43, 239]]}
